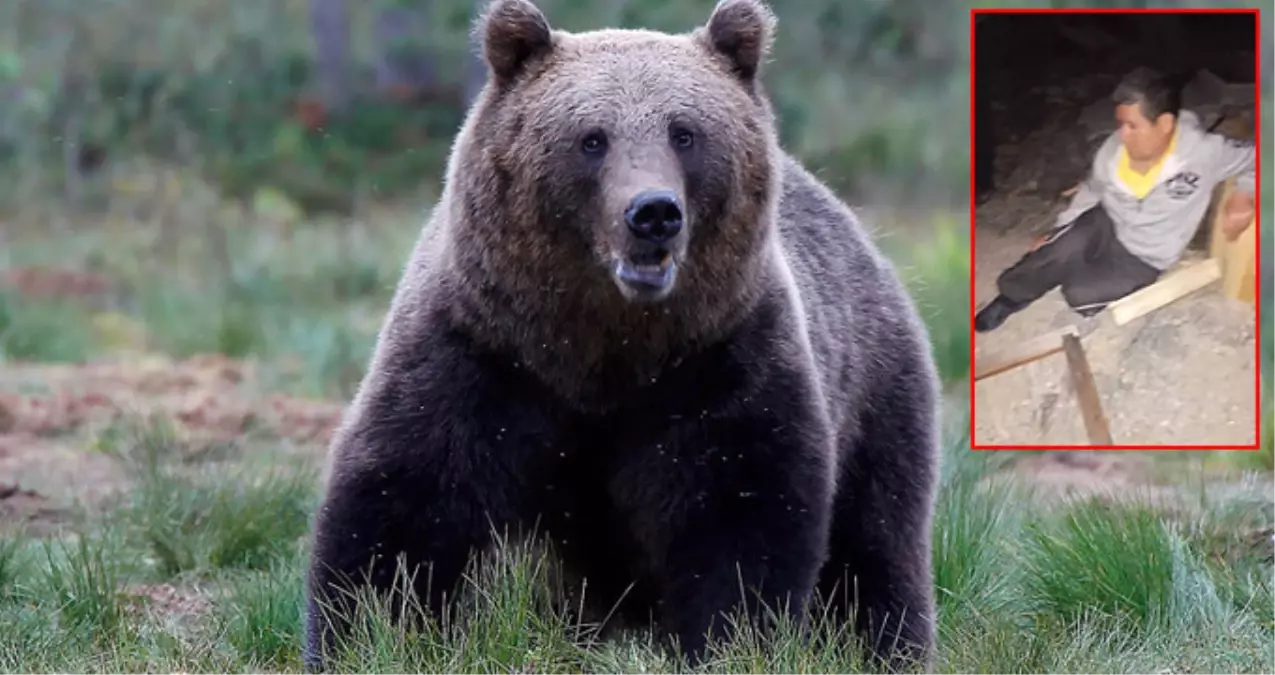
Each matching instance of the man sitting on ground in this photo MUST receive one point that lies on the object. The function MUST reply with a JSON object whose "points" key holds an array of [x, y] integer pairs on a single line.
{"points": [[1135, 214]]}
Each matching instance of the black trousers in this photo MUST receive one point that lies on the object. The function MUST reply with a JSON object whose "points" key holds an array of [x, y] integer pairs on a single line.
{"points": [[1086, 259]]}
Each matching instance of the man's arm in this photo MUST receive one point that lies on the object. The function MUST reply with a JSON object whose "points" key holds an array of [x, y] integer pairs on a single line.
{"points": [[1090, 192], [1085, 198], [1229, 157], [1233, 157], [1091, 189]]}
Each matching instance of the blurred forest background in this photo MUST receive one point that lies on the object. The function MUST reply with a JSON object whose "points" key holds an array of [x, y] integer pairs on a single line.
{"points": [[244, 177], [236, 133], [205, 206]]}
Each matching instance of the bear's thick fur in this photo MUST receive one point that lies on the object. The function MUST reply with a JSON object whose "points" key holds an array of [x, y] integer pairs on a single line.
{"points": [[636, 324]]}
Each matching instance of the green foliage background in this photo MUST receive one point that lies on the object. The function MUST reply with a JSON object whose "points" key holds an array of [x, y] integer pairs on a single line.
{"points": [[212, 82]]}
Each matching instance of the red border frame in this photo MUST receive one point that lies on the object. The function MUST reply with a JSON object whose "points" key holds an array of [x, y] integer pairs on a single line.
{"points": [[1257, 301]]}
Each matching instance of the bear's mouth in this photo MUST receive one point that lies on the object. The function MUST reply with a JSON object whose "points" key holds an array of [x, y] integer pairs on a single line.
{"points": [[647, 272]]}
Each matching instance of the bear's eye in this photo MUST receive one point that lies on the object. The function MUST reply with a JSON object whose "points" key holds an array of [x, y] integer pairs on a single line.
{"points": [[594, 143], [682, 138]]}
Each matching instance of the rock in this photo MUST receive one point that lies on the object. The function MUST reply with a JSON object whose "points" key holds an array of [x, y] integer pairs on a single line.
{"points": [[1098, 118], [1205, 90]]}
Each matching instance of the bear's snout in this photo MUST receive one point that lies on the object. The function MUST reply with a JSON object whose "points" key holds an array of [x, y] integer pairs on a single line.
{"points": [[654, 216], [645, 260]]}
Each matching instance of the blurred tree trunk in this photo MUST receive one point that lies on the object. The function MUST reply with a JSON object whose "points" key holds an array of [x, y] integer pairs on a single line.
{"points": [[404, 67], [76, 97], [330, 23]]}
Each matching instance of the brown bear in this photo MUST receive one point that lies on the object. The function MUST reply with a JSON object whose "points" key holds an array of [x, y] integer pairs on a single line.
{"points": [[635, 325]]}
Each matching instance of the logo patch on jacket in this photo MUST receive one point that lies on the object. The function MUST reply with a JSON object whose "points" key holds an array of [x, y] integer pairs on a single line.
{"points": [[1183, 184]]}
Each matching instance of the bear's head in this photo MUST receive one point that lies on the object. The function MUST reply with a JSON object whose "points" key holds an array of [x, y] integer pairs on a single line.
{"points": [[640, 158], [617, 185]]}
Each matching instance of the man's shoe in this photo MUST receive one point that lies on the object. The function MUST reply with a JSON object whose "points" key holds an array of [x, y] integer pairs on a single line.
{"points": [[994, 314]]}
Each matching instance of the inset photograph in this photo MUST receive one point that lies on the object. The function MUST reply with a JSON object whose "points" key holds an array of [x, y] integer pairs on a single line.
{"points": [[1115, 233]]}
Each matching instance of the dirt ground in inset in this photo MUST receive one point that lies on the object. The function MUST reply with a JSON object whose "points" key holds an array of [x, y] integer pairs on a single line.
{"points": [[1182, 375]]}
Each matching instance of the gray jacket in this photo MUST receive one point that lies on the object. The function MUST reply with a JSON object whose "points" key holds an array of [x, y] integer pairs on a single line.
{"points": [[1158, 227]]}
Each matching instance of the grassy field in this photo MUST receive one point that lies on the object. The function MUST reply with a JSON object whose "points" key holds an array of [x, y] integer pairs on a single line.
{"points": [[198, 568]]}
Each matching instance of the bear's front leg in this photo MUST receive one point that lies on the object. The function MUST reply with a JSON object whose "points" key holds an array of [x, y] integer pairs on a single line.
{"points": [[880, 565], [437, 453], [375, 516], [733, 506]]}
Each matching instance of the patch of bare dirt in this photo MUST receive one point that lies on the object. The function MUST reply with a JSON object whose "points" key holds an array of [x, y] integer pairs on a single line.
{"points": [[211, 398], [48, 283], [27, 510], [183, 608], [1118, 477], [169, 600], [52, 414], [1181, 375], [1084, 474]]}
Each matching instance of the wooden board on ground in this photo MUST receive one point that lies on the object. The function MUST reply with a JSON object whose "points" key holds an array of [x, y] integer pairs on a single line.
{"points": [[1033, 350], [1086, 389], [1177, 284]]}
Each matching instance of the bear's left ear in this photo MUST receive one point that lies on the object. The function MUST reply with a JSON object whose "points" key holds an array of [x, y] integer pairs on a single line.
{"points": [[512, 32], [741, 31]]}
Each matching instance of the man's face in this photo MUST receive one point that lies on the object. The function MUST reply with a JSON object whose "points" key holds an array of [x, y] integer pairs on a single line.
{"points": [[1143, 139]]}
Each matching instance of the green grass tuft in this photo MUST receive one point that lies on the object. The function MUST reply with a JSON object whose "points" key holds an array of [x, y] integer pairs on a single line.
{"points": [[937, 275], [82, 579], [1102, 561], [262, 615], [192, 521], [11, 565]]}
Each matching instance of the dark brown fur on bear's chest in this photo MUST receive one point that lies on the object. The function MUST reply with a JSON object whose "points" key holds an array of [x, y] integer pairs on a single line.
{"points": [[607, 488]]}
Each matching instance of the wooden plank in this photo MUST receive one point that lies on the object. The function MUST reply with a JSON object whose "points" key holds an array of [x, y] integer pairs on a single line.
{"points": [[1033, 350], [1174, 285], [1237, 259], [1239, 268], [1086, 392]]}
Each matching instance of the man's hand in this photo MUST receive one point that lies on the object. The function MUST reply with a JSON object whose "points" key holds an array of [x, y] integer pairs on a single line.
{"points": [[1040, 241], [1237, 213]]}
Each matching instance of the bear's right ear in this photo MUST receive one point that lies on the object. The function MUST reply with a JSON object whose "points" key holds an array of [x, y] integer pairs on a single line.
{"points": [[512, 31], [742, 32]]}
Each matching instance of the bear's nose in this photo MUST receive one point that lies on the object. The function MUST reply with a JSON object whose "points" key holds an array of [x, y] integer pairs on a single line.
{"points": [[654, 216]]}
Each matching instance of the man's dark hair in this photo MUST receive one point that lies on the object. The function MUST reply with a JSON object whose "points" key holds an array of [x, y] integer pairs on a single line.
{"points": [[1154, 92]]}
